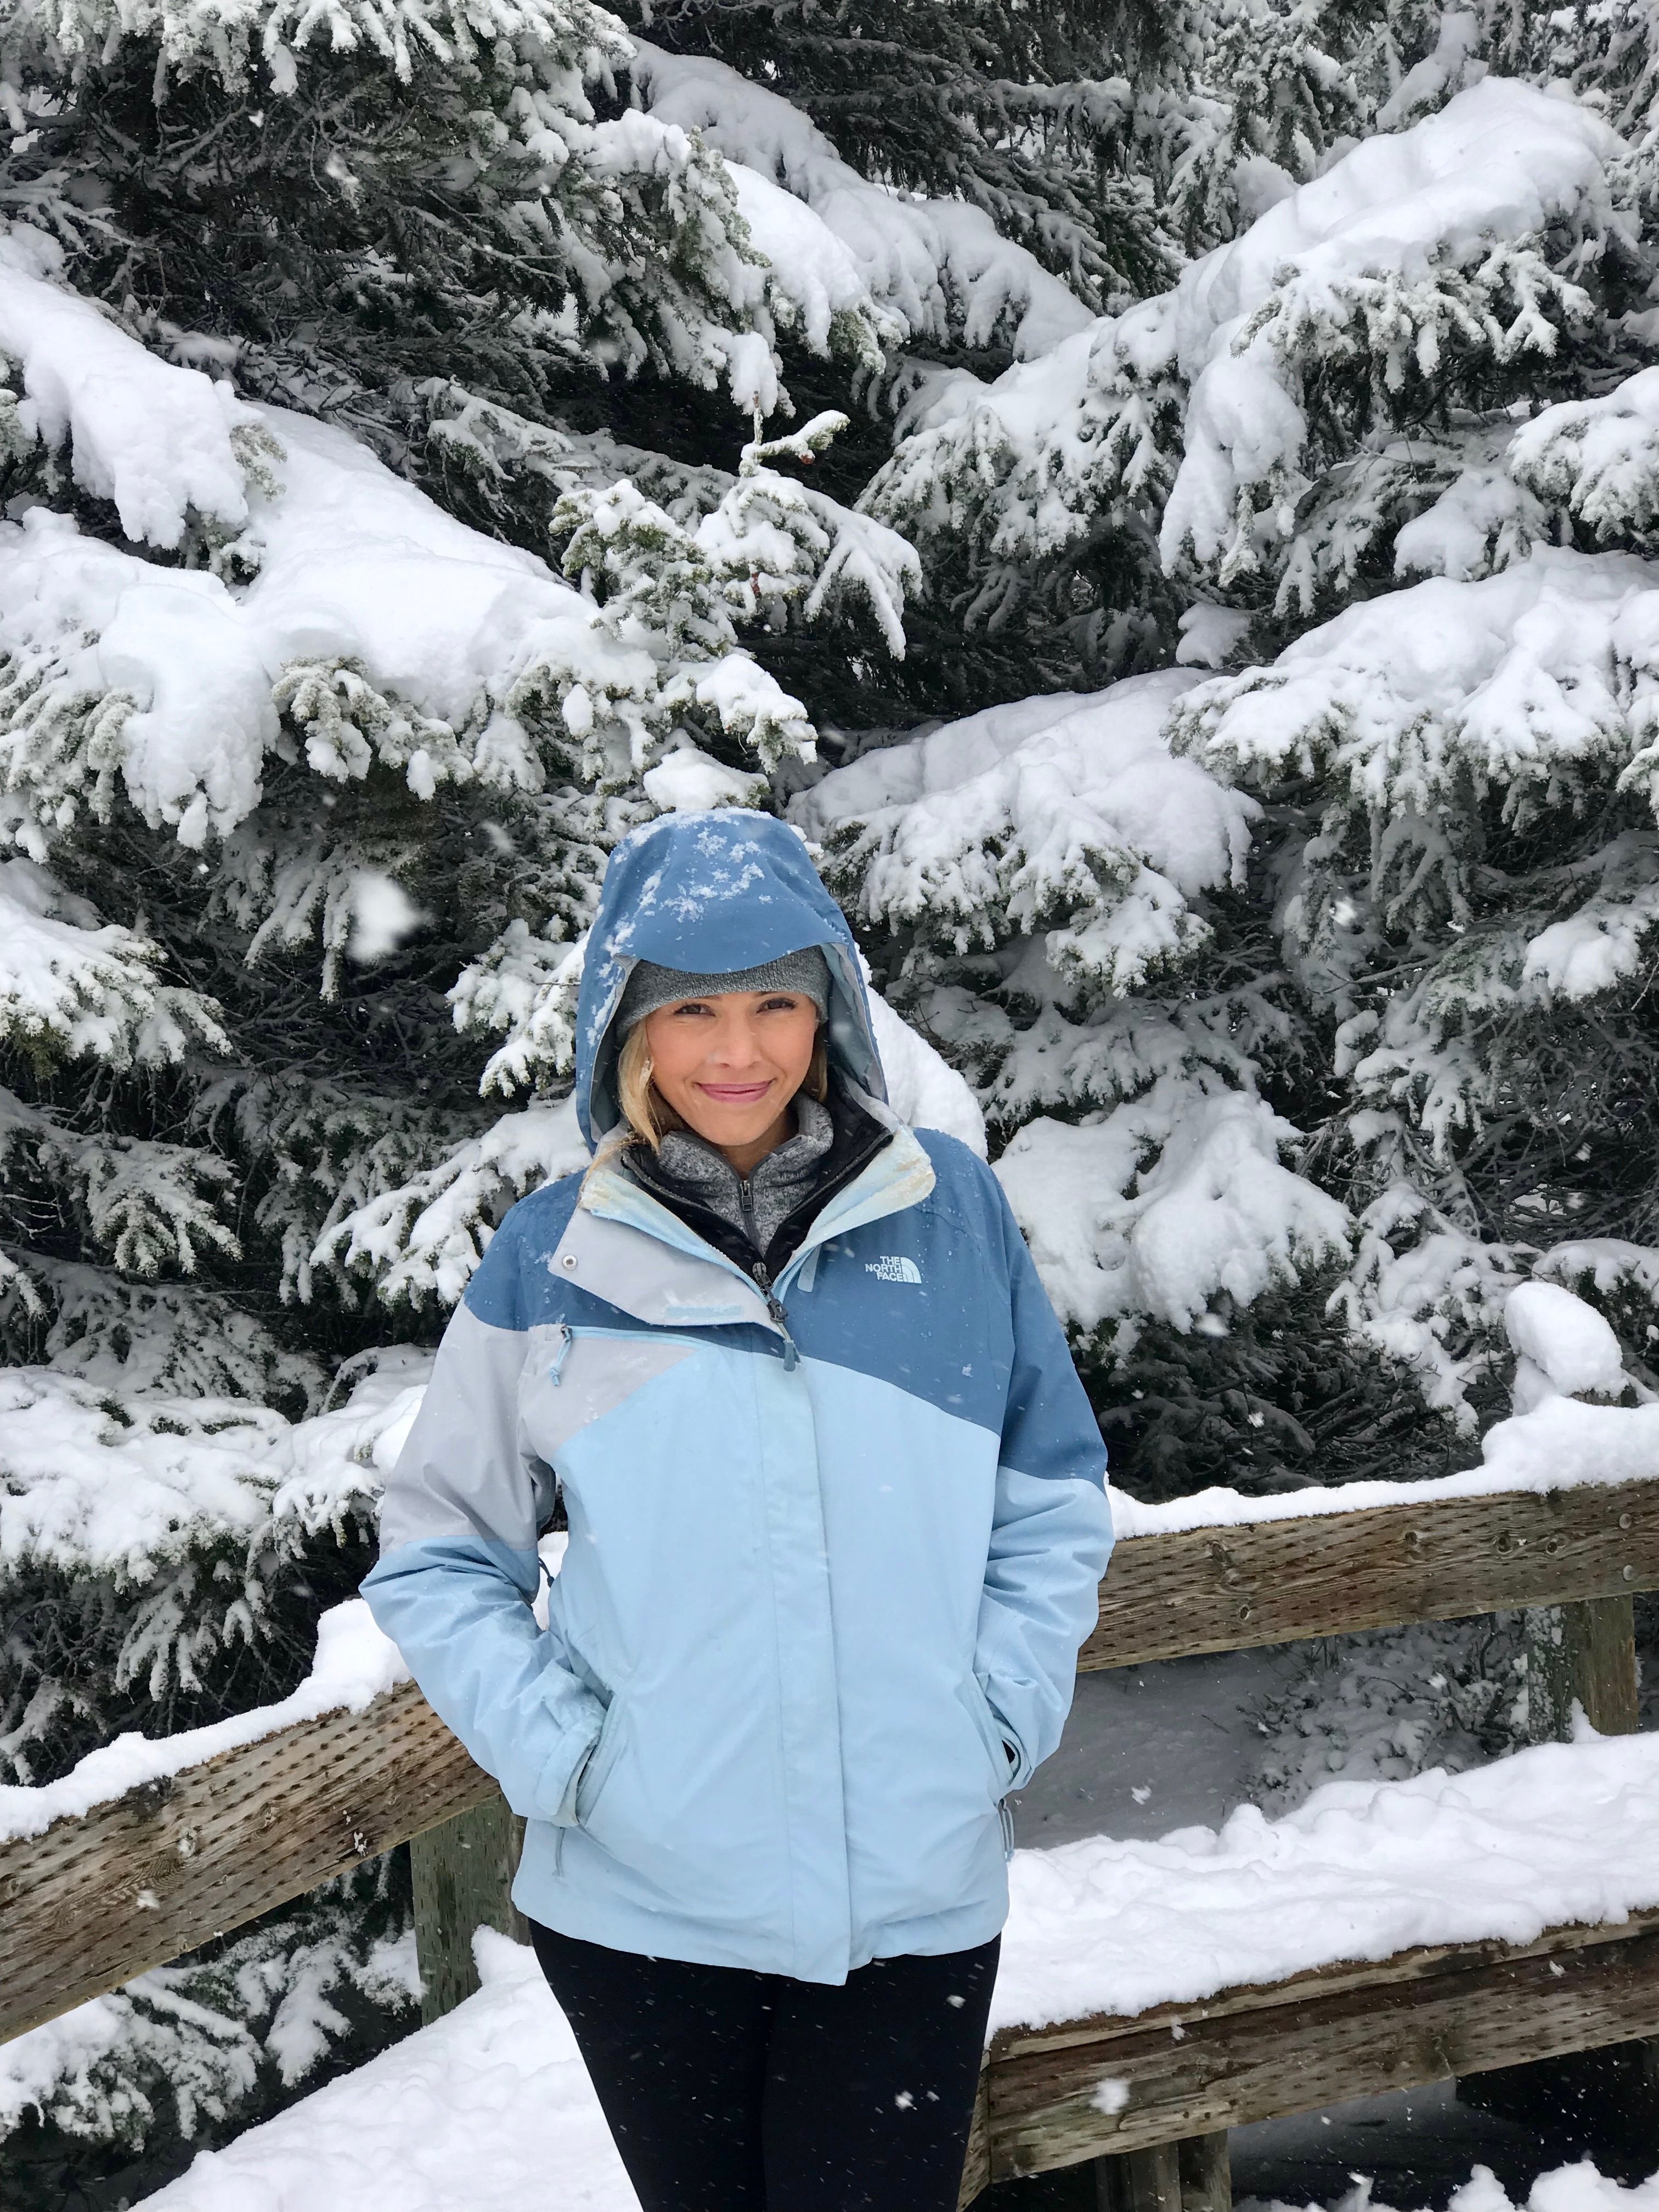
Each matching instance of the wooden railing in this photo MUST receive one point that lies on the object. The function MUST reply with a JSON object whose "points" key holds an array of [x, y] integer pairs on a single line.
{"points": [[93, 1901], [1227, 1588]]}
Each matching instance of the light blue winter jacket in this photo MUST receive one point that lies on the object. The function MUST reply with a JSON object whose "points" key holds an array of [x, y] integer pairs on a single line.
{"points": [[817, 1576]]}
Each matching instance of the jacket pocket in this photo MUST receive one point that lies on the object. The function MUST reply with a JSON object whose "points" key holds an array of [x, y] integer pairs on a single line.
{"points": [[604, 1757], [576, 1376], [991, 1735]]}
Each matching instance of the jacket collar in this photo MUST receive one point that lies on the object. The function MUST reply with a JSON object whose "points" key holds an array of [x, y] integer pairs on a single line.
{"points": [[603, 1250], [857, 1134]]}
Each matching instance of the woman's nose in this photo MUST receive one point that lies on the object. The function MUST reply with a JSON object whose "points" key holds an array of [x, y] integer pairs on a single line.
{"points": [[734, 1046]]}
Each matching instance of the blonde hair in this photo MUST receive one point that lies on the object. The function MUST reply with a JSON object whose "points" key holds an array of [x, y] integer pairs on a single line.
{"points": [[647, 1117]]}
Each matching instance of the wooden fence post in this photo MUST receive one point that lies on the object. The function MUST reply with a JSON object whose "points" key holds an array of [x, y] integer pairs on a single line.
{"points": [[1585, 1653], [1193, 2175], [1206, 2174], [1606, 2101], [463, 1879]]}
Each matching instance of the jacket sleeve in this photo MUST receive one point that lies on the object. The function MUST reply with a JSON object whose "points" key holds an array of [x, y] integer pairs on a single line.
{"points": [[458, 1571], [1052, 1527]]}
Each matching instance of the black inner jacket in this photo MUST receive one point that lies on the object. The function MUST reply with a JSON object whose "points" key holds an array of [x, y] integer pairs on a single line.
{"points": [[858, 1137]]}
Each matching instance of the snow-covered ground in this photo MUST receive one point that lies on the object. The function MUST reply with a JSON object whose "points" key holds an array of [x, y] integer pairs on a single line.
{"points": [[489, 2108]]}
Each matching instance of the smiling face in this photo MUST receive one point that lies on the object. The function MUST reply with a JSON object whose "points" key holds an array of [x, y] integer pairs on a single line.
{"points": [[729, 1065]]}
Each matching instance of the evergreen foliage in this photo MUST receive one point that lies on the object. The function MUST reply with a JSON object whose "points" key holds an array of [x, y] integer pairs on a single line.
{"points": [[1025, 111]]}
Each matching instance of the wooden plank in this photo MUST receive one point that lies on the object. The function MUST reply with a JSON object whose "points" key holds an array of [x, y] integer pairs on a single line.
{"points": [[1420, 1963], [463, 1880], [93, 1902], [162, 1871], [1193, 2175], [1602, 1638], [1147, 2084], [1274, 1582]]}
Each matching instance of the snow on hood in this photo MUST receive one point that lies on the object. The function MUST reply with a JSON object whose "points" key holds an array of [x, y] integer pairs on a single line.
{"points": [[712, 893]]}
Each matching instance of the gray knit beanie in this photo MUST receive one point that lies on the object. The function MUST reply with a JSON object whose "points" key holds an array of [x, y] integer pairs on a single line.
{"points": [[650, 987]]}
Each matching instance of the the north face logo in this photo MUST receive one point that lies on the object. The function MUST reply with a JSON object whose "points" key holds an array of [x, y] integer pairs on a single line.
{"points": [[889, 1269]]}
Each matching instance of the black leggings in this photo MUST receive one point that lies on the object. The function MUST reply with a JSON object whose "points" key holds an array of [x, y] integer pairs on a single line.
{"points": [[728, 2091]]}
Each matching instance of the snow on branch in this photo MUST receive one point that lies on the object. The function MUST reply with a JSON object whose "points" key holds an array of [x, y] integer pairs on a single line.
{"points": [[70, 986], [1163, 1205], [1427, 1294], [423, 1240], [815, 287], [176, 1338], [1608, 1264], [1409, 244], [1066, 818], [526, 986], [326, 1147], [121, 1488], [769, 543], [159, 443], [489, 444], [1457, 957], [225, 34], [1598, 459], [938, 268], [385, 632], [151, 1206], [148, 1536], [1247, 419], [1537, 682]]}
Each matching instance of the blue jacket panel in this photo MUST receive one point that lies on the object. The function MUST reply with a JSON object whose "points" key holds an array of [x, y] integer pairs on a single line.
{"points": [[823, 1577]]}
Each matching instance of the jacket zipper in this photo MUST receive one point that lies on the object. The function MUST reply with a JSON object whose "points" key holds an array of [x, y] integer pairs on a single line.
{"points": [[759, 1270], [746, 1206], [694, 1217], [566, 1332], [774, 1304]]}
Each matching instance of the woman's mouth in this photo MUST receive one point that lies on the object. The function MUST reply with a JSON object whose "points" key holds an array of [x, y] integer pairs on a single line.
{"points": [[735, 1094]]}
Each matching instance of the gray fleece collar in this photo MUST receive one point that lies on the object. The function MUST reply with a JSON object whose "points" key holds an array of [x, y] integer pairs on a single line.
{"points": [[774, 1189]]}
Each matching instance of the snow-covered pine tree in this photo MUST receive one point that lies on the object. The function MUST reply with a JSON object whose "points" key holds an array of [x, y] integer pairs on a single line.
{"points": [[1068, 511], [336, 648], [1346, 397], [1467, 886], [276, 711]]}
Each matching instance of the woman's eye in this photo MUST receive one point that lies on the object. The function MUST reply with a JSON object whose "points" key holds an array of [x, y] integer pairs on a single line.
{"points": [[780, 1006]]}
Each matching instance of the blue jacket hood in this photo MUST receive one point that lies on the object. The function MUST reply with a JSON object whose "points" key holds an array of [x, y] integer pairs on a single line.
{"points": [[712, 893]]}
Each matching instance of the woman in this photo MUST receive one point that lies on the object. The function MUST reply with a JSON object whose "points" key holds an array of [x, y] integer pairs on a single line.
{"points": [[838, 1514]]}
